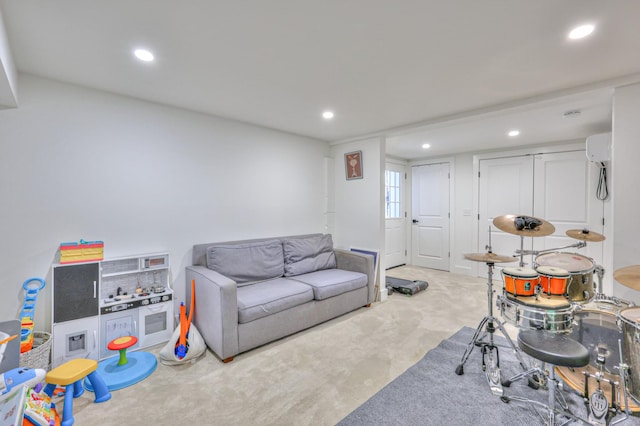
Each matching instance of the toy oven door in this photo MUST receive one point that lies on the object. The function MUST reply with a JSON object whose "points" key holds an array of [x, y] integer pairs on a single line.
{"points": [[156, 323], [117, 324]]}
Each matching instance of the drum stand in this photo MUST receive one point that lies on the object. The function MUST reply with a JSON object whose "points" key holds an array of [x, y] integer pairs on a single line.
{"points": [[487, 348]]}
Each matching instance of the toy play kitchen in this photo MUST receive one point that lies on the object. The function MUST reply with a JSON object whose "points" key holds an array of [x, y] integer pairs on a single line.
{"points": [[97, 302]]}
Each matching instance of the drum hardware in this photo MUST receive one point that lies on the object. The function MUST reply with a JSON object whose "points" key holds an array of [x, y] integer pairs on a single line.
{"points": [[489, 324], [624, 371], [600, 273]]}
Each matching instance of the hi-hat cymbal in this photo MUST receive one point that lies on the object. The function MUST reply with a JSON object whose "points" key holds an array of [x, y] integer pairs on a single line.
{"points": [[628, 276], [585, 235], [524, 225], [489, 258]]}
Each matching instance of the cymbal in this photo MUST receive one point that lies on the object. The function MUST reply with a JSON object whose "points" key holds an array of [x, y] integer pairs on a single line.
{"points": [[628, 276], [489, 258], [507, 223], [585, 235]]}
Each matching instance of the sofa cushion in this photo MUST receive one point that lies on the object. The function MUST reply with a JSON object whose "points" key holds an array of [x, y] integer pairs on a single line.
{"points": [[248, 262], [265, 298], [332, 282], [303, 255]]}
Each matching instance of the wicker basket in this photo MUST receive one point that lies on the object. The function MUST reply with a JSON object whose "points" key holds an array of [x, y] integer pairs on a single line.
{"points": [[38, 356]]}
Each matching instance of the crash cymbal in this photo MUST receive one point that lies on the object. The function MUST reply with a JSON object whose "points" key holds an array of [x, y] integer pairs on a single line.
{"points": [[585, 235], [524, 225], [628, 276], [489, 258]]}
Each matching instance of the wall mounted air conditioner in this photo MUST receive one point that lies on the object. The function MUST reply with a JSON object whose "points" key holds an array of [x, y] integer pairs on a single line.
{"points": [[598, 147]]}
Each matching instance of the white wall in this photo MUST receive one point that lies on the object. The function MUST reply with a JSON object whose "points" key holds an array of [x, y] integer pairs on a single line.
{"points": [[625, 175], [8, 73], [358, 218], [78, 163]]}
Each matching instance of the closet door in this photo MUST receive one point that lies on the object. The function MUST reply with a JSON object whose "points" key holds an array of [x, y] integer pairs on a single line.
{"points": [[563, 196], [505, 187]]}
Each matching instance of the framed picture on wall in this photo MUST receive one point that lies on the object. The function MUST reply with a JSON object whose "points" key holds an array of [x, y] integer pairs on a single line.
{"points": [[353, 165]]}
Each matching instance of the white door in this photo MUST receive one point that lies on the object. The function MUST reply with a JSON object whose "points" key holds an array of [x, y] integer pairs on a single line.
{"points": [[430, 216], [395, 216], [563, 196], [505, 187]]}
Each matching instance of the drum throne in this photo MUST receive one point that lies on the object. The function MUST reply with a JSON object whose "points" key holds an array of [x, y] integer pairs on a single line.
{"points": [[553, 349]]}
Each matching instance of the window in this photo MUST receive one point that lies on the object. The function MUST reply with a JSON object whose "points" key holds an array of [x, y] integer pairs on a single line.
{"points": [[392, 194]]}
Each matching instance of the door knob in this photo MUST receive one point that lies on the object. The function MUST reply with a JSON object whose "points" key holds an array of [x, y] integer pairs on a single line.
{"points": [[415, 221]]}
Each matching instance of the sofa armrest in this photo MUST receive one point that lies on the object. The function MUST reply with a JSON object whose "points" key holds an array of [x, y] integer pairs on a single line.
{"points": [[216, 309], [358, 262]]}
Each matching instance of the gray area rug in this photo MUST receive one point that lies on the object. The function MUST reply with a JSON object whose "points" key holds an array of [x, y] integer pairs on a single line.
{"points": [[431, 393]]}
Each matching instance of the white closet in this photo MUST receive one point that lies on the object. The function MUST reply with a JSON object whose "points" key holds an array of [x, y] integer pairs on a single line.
{"points": [[559, 187]]}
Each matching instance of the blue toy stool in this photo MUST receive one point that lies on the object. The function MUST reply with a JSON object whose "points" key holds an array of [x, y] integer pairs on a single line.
{"points": [[70, 375]]}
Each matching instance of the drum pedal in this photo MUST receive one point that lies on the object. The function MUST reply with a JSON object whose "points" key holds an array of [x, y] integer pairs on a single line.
{"points": [[492, 369], [598, 408]]}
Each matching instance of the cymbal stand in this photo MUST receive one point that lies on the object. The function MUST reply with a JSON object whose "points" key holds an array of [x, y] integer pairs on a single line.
{"points": [[600, 273], [490, 323]]}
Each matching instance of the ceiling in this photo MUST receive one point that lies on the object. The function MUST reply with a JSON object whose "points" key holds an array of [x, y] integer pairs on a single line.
{"points": [[456, 74]]}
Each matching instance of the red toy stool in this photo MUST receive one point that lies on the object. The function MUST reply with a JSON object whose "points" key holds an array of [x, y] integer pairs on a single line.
{"points": [[121, 344]]}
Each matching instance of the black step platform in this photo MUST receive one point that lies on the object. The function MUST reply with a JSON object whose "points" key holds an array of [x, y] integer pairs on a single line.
{"points": [[406, 286]]}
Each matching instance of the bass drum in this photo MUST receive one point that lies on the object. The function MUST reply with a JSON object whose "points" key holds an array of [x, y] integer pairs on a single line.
{"points": [[580, 287], [596, 327]]}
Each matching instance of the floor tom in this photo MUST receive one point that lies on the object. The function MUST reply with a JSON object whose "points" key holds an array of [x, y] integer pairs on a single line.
{"points": [[629, 320]]}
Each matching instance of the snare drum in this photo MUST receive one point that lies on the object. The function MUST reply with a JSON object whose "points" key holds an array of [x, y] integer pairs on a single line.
{"points": [[630, 323], [580, 284], [520, 281], [549, 313], [553, 280]]}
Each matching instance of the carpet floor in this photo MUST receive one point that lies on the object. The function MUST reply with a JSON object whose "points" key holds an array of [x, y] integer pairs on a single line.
{"points": [[315, 377], [430, 393]]}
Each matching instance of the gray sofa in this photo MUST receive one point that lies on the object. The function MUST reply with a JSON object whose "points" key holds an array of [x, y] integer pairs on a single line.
{"points": [[253, 292]]}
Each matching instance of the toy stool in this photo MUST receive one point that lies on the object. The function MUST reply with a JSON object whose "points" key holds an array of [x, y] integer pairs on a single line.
{"points": [[70, 375], [121, 344], [128, 369]]}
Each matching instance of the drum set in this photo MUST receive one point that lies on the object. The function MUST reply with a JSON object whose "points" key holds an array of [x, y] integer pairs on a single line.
{"points": [[559, 295]]}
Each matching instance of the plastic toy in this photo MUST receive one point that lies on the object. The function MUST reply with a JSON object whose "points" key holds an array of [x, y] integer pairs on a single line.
{"points": [[39, 410], [185, 323], [28, 309], [21, 376]]}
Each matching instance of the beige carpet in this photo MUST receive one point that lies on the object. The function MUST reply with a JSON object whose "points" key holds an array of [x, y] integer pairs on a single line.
{"points": [[315, 377]]}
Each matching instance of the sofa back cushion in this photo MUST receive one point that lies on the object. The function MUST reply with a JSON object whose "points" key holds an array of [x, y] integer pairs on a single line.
{"points": [[248, 262], [303, 255]]}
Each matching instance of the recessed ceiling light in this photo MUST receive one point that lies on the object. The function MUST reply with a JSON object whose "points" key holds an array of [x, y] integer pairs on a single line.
{"points": [[514, 133], [426, 146], [143, 55], [327, 115], [581, 31]]}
